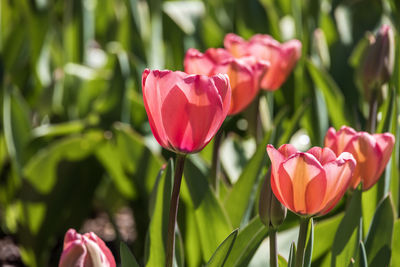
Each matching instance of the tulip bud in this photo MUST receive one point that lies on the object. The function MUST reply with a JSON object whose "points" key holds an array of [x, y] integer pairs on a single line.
{"points": [[86, 250], [272, 212], [377, 67]]}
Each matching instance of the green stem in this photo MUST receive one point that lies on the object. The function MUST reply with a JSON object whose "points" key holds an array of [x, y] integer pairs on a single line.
{"points": [[273, 255], [373, 108], [173, 209], [215, 164], [301, 242]]}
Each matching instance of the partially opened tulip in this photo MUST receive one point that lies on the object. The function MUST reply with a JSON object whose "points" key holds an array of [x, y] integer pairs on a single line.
{"points": [[282, 57], [185, 111], [244, 73], [86, 250], [309, 183], [372, 152]]}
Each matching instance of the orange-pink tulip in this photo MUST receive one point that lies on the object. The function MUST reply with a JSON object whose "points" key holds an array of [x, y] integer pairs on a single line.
{"points": [[86, 250], [185, 111], [309, 183], [282, 57], [244, 73], [372, 152]]}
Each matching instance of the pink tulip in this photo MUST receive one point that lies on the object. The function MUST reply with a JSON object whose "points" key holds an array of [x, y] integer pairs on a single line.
{"points": [[283, 57], [372, 152], [185, 111], [309, 183], [244, 73], [86, 250]]}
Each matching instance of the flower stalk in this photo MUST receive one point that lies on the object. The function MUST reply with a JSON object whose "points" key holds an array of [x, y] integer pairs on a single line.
{"points": [[301, 243], [273, 253], [173, 209]]}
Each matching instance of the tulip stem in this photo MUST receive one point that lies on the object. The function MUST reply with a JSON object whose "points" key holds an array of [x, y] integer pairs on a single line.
{"points": [[373, 108], [173, 209], [215, 164], [301, 242], [273, 255]]}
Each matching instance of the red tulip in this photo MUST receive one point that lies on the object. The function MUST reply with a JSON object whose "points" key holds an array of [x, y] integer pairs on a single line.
{"points": [[309, 183], [282, 57], [244, 73], [86, 250], [185, 111], [372, 152]]}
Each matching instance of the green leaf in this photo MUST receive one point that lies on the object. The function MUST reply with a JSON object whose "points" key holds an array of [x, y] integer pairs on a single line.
{"points": [[378, 243], [325, 234], [159, 211], [220, 256], [292, 255], [396, 244], [192, 240], [361, 259], [127, 258], [332, 94], [237, 200], [110, 158], [41, 169], [293, 124], [212, 223], [310, 243], [282, 262], [48, 130], [247, 242], [348, 236], [16, 126], [370, 201]]}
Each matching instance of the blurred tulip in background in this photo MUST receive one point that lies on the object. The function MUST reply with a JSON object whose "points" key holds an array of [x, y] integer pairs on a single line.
{"points": [[372, 152], [282, 57], [86, 250], [244, 73]]}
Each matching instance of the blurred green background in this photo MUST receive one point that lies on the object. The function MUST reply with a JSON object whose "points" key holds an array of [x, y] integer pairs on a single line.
{"points": [[75, 144]]}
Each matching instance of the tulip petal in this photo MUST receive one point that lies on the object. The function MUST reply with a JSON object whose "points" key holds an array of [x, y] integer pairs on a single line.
{"points": [[315, 193], [198, 63], [287, 150], [338, 141], [302, 168], [75, 254], [323, 155], [385, 143], [338, 176], [280, 181], [104, 249], [368, 157]]}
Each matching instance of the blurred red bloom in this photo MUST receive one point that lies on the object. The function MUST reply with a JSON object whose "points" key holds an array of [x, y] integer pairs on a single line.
{"points": [[86, 250], [282, 57], [244, 73], [372, 152]]}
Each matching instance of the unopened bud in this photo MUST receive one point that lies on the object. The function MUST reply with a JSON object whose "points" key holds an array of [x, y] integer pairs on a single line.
{"points": [[272, 212], [378, 63]]}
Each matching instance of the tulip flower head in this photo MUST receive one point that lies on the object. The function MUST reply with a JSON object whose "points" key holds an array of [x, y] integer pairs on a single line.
{"points": [[185, 111], [372, 152], [282, 57], [244, 73], [309, 183], [377, 66], [86, 250]]}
